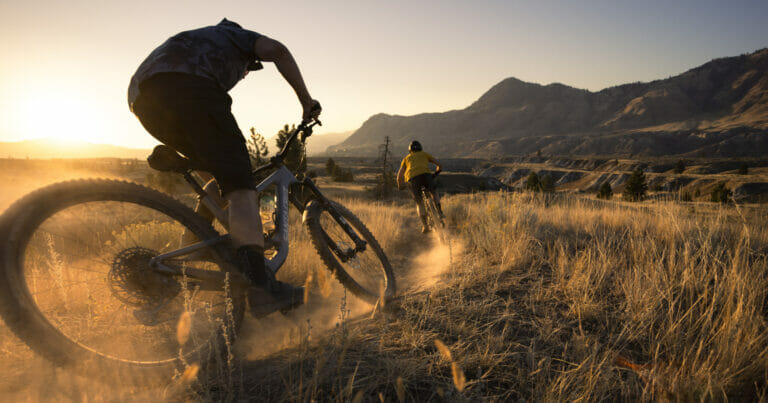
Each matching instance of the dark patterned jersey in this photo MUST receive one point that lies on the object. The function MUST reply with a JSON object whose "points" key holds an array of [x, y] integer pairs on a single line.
{"points": [[222, 53]]}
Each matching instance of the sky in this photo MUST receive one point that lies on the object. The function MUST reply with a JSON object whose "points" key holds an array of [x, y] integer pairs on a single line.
{"points": [[65, 65]]}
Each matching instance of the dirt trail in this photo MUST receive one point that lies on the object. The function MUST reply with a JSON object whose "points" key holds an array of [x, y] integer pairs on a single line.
{"points": [[422, 268]]}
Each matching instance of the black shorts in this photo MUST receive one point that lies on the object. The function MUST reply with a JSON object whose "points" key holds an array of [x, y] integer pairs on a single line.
{"points": [[421, 181], [192, 115]]}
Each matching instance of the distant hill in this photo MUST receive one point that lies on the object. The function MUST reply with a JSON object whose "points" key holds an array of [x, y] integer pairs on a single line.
{"points": [[47, 148], [319, 142], [719, 109]]}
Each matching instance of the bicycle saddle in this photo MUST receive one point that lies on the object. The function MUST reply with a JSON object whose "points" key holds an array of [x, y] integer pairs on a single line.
{"points": [[164, 158]]}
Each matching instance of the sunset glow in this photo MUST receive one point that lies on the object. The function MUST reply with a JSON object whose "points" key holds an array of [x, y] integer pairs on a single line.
{"points": [[55, 113], [66, 65]]}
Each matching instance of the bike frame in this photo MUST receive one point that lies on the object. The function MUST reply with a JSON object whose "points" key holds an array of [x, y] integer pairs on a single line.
{"points": [[284, 181]]}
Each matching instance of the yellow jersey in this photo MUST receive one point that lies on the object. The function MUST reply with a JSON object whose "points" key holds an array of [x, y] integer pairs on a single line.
{"points": [[415, 164]]}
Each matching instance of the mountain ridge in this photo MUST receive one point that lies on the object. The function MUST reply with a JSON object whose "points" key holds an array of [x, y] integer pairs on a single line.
{"points": [[724, 101]]}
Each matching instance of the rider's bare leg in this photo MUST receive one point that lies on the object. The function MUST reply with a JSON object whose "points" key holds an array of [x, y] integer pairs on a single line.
{"points": [[244, 218], [422, 211], [267, 295], [246, 233]]}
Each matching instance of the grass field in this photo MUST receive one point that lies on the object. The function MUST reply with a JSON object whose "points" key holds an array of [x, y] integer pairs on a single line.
{"points": [[548, 298]]}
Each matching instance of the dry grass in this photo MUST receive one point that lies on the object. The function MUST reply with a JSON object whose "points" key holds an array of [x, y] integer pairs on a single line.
{"points": [[559, 299], [553, 299]]}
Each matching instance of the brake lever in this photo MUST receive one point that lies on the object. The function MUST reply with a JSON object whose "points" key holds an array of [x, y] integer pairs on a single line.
{"points": [[306, 129]]}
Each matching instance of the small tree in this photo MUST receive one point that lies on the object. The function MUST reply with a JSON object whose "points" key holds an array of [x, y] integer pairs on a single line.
{"points": [[680, 167], [385, 183], [294, 158], [343, 175], [605, 191], [532, 183], [257, 148], [743, 169], [636, 186], [330, 166], [337, 173], [720, 194], [547, 184]]}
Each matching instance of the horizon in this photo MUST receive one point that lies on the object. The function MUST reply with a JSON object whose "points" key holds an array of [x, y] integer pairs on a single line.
{"points": [[436, 61]]}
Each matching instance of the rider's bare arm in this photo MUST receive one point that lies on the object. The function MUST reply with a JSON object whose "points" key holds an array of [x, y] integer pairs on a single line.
{"points": [[270, 50], [400, 176], [437, 164]]}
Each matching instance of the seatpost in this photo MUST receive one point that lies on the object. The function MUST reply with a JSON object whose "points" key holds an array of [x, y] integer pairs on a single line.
{"points": [[193, 182], [206, 199]]}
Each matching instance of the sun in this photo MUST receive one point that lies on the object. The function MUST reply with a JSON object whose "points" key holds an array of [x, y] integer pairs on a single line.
{"points": [[58, 114]]}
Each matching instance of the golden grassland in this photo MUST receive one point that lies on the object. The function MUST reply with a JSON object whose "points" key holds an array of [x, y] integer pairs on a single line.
{"points": [[559, 299], [554, 298]]}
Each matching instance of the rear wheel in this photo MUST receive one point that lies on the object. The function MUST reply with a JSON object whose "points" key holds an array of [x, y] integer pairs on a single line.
{"points": [[368, 274], [78, 287], [433, 215]]}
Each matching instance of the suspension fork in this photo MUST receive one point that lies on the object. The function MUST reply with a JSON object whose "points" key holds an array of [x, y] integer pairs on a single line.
{"points": [[360, 244]]}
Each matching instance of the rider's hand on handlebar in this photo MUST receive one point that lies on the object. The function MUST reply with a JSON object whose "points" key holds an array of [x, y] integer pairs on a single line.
{"points": [[311, 110]]}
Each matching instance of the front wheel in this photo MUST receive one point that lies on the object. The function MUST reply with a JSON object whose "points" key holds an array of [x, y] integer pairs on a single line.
{"points": [[367, 274]]}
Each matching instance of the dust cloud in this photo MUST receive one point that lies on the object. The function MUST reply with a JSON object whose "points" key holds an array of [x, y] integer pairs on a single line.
{"points": [[319, 315], [261, 337], [16, 183], [430, 267]]}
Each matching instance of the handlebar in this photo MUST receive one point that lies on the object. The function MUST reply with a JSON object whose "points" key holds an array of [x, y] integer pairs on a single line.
{"points": [[305, 128]]}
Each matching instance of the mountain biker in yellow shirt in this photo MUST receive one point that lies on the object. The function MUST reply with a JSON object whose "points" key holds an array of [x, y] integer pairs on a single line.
{"points": [[414, 169]]}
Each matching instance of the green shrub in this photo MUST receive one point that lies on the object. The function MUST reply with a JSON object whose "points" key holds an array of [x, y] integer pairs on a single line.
{"points": [[343, 175], [547, 184], [720, 194], [680, 167], [743, 169], [605, 191], [532, 183], [636, 186], [330, 166]]}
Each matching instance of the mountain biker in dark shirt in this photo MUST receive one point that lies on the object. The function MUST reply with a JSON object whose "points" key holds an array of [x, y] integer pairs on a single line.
{"points": [[179, 93], [414, 169]]}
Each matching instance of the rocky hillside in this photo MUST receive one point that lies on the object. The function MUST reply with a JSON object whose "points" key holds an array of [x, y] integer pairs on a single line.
{"points": [[719, 109], [319, 142]]}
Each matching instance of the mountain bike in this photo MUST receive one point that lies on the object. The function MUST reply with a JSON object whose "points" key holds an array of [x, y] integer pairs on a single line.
{"points": [[92, 275]]}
